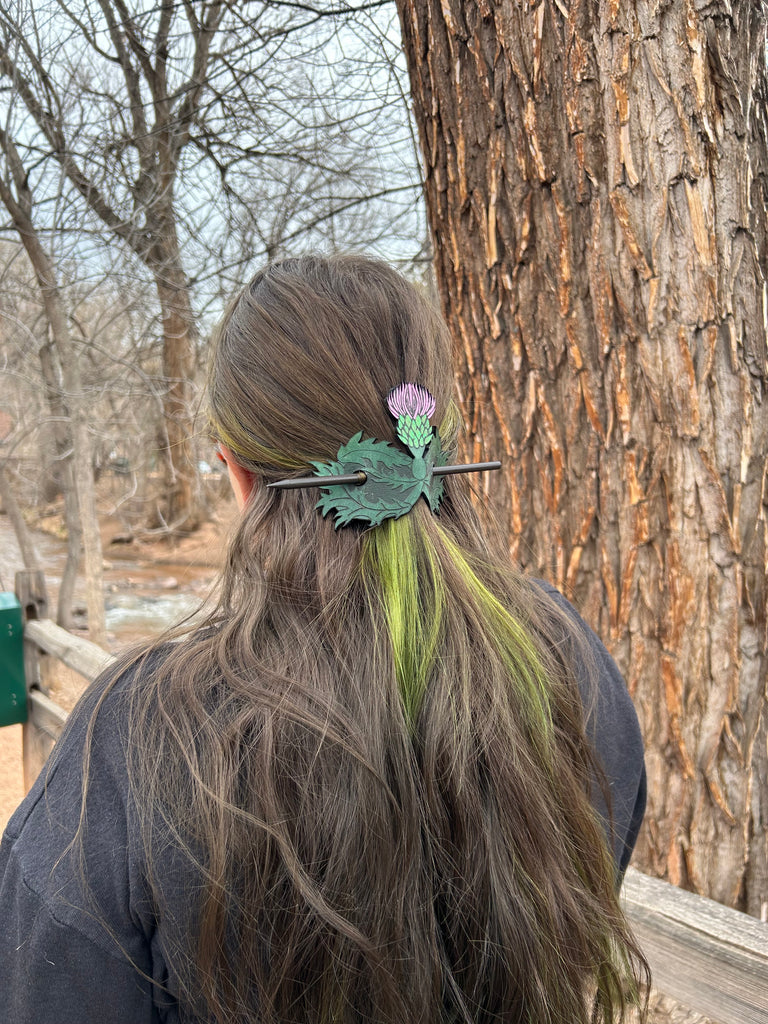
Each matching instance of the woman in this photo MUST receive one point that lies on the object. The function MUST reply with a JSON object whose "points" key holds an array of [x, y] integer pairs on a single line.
{"points": [[376, 786]]}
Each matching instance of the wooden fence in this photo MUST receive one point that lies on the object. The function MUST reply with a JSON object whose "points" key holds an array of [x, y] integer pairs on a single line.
{"points": [[705, 956], [44, 643]]}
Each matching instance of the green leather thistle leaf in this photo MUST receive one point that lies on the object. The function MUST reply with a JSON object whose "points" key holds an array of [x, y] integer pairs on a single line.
{"points": [[395, 481]]}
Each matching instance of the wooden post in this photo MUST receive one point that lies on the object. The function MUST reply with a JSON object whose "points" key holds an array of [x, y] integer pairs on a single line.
{"points": [[36, 743]]}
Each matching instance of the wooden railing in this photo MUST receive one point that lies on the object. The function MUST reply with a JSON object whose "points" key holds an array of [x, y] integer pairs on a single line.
{"points": [[45, 642], [705, 956]]}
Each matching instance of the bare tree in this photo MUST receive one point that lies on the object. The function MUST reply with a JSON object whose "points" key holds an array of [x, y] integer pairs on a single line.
{"points": [[156, 99], [162, 118], [62, 375], [596, 179]]}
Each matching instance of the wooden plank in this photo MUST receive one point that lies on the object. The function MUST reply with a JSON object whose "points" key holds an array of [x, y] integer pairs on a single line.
{"points": [[36, 743], [81, 655], [46, 714], [708, 957]]}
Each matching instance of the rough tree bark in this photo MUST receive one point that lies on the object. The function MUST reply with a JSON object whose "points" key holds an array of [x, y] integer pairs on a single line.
{"points": [[596, 186]]}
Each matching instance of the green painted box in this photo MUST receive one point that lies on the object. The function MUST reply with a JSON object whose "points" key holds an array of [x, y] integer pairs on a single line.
{"points": [[13, 691]]}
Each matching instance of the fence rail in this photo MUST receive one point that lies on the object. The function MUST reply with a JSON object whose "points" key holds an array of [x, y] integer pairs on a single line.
{"points": [[705, 956], [78, 654]]}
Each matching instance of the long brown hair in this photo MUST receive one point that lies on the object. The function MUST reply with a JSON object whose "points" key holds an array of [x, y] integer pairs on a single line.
{"points": [[372, 761]]}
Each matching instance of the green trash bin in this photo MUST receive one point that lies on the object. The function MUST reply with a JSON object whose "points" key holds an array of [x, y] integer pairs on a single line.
{"points": [[13, 691]]}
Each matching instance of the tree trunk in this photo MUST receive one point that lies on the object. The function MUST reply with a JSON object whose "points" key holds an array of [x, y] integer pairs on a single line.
{"points": [[181, 508], [60, 374], [65, 397], [83, 533], [64, 456], [26, 545], [596, 187], [86, 493]]}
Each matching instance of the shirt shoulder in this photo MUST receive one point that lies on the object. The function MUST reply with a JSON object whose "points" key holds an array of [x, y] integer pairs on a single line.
{"points": [[78, 929], [39, 835], [612, 727]]}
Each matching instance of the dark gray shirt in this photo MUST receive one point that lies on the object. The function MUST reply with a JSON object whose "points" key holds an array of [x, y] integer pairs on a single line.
{"points": [[72, 953]]}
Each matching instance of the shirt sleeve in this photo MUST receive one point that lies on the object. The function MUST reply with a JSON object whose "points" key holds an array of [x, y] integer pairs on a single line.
{"points": [[74, 948], [614, 733]]}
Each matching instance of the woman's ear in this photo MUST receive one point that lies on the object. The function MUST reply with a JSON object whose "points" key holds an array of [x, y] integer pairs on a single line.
{"points": [[242, 479]]}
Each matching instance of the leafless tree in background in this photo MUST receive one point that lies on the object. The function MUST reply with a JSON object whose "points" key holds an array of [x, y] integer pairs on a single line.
{"points": [[176, 124], [66, 400], [175, 147]]}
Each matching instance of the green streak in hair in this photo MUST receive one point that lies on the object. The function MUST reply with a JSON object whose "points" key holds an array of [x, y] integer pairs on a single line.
{"points": [[413, 600], [516, 649], [414, 596]]}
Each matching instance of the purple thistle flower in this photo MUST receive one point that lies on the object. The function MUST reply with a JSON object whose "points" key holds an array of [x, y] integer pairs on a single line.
{"points": [[410, 400]]}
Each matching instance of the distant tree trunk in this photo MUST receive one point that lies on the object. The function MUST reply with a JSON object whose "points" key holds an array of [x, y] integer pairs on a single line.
{"points": [[182, 504], [83, 532], [86, 495], [62, 377], [596, 186], [63, 454], [26, 545]]}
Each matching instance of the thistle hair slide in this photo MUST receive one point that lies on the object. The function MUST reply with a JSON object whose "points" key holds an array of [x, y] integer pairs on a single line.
{"points": [[372, 480]]}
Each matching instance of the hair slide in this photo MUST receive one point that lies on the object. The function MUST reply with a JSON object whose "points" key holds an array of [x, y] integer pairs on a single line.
{"points": [[361, 477], [371, 480]]}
